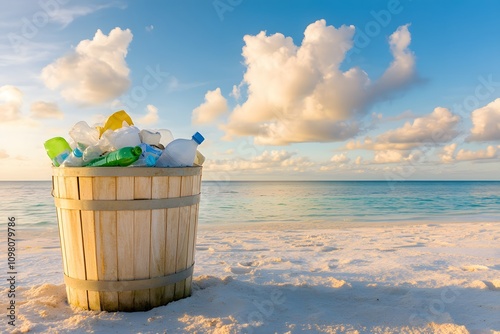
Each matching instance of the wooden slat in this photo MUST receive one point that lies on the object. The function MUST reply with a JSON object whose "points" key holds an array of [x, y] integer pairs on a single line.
{"points": [[125, 241], [105, 225], [193, 226], [174, 190], [57, 194], [142, 238], [183, 235], [68, 188], [159, 189], [89, 241]]}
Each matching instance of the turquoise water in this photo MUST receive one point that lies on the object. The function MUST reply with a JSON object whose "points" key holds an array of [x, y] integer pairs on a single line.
{"points": [[316, 201]]}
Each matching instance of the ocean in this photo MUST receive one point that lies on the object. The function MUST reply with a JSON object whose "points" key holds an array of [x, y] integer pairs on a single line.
{"points": [[237, 202]]}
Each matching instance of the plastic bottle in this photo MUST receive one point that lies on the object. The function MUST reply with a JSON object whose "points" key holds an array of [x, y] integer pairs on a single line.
{"points": [[83, 134], [57, 149], [180, 152], [75, 159], [123, 157], [115, 121], [127, 136], [148, 157]]}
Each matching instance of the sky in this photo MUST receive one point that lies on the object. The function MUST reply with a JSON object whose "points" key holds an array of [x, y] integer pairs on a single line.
{"points": [[281, 90]]}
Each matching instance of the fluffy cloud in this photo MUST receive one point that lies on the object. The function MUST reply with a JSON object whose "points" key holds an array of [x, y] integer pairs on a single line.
{"points": [[489, 153], [11, 100], [396, 156], [267, 161], [151, 117], [440, 126], [486, 122], [448, 155], [299, 94], [215, 105], [340, 158], [41, 109], [95, 72]]}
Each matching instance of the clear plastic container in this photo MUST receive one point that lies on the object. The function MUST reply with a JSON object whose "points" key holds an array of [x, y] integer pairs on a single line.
{"points": [[84, 134], [180, 152], [127, 136], [57, 149]]}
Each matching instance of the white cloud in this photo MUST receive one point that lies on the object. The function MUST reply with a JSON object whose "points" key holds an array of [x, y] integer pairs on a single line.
{"points": [[267, 161], [95, 72], [396, 156], [440, 126], [299, 94], [389, 156], [489, 153], [11, 100], [149, 28], [41, 109], [447, 153], [66, 15], [486, 122], [340, 158], [359, 160], [215, 105], [151, 117]]}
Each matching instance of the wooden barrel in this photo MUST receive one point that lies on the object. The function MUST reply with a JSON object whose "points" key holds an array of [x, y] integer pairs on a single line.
{"points": [[127, 234]]}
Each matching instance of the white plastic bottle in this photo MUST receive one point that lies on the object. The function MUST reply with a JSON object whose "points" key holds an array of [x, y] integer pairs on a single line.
{"points": [[180, 152], [75, 159]]}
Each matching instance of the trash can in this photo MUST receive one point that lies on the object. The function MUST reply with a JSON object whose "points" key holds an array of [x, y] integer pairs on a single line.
{"points": [[127, 234]]}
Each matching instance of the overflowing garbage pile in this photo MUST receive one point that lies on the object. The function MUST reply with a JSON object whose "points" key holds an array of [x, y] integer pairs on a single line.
{"points": [[119, 143]]}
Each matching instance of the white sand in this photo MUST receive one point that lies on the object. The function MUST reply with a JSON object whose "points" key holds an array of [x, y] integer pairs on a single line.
{"points": [[376, 278]]}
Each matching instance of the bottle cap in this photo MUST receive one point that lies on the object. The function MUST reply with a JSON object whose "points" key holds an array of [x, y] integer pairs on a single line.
{"points": [[197, 137], [77, 152], [137, 150]]}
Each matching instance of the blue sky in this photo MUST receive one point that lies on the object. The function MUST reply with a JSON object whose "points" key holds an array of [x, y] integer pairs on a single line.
{"points": [[316, 90]]}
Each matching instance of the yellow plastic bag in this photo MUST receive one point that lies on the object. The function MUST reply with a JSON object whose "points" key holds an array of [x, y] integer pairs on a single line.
{"points": [[115, 122]]}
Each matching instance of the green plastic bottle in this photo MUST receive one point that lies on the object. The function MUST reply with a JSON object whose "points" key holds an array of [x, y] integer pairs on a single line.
{"points": [[122, 157], [57, 149]]}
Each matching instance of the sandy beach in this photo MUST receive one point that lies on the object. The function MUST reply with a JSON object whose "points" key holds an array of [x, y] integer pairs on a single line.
{"points": [[316, 278]]}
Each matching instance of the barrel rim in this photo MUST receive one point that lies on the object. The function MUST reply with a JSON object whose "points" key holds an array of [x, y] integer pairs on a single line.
{"points": [[126, 171]]}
